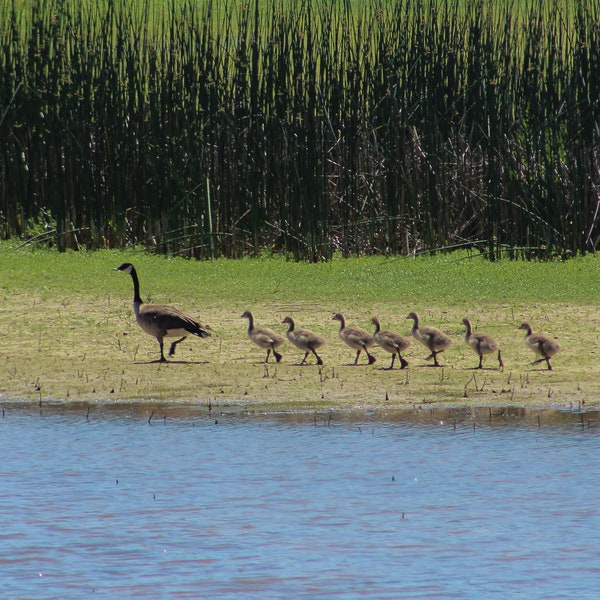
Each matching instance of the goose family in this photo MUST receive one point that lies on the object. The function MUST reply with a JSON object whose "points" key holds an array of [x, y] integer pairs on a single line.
{"points": [[431, 338], [162, 321], [357, 338], [304, 340], [391, 342], [541, 344], [481, 343], [263, 337]]}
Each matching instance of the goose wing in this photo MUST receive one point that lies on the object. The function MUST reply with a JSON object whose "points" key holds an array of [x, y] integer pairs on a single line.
{"points": [[168, 318]]}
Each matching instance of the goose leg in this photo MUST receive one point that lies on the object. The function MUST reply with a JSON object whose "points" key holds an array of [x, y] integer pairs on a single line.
{"points": [[304, 359], [357, 355], [268, 354], [548, 363], [276, 355], [162, 347], [392, 364], [403, 362], [174, 344], [480, 361], [500, 360]]}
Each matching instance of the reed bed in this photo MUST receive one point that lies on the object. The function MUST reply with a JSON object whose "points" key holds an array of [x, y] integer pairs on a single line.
{"points": [[309, 127]]}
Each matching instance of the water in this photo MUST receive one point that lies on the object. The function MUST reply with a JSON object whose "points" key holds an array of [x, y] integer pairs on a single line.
{"points": [[108, 504]]}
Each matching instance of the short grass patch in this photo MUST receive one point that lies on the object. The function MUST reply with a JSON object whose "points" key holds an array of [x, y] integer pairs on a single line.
{"points": [[69, 333]]}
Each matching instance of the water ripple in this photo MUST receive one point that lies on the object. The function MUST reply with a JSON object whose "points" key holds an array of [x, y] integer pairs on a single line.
{"points": [[276, 508]]}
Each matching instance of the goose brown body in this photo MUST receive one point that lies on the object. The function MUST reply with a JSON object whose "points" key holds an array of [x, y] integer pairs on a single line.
{"points": [[541, 344], [482, 344], [162, 321], [263, 337], [355, 337], [391, 342], [431, 338], [304, 340]]}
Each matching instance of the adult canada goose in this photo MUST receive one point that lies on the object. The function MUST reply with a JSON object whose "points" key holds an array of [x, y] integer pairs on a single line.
{"points": [[391, 342], [304, 340], [541, 344], [356, 338], [265, 338], [482, 343], [430, 337], [161, 321]]}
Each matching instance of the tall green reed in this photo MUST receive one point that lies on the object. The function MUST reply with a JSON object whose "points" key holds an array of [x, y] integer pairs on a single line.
{"points": [[303, 126]]}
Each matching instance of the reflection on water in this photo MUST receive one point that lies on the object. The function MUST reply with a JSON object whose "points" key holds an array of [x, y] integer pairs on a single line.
{"points": [[186, 503]]}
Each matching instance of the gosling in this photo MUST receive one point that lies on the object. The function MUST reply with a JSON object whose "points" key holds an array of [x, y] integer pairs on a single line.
{"points": [[391, 342], [482, 344], [541, 344], [432, 338], [264, 338], [304, 340], [356, 338]]}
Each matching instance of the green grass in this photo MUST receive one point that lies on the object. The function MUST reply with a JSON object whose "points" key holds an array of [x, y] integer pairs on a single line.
{"points": [[69, 332], [438, 280]]}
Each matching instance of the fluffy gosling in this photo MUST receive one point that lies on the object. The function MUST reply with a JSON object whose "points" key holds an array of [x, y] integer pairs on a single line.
{"points": [[263, 337], [482, 344], [432, 338], [356, 338], [541, 344], [391, 342], [304, 340]]}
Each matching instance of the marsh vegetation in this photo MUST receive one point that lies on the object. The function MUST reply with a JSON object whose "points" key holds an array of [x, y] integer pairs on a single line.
{"points": [[307, 127]]}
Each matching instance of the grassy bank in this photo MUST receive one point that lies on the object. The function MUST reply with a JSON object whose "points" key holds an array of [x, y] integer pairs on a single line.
{"points": [[69, 333]]}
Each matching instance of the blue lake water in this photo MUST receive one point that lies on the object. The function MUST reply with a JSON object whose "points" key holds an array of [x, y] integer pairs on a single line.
{"points": [[115, 504]]}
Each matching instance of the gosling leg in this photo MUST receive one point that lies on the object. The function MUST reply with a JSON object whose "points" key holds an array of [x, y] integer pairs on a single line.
{"points": [[319, 359]]}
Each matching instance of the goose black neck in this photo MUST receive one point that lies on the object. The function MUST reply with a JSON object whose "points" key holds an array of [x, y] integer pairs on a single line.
{"points": [[136, 286]]}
